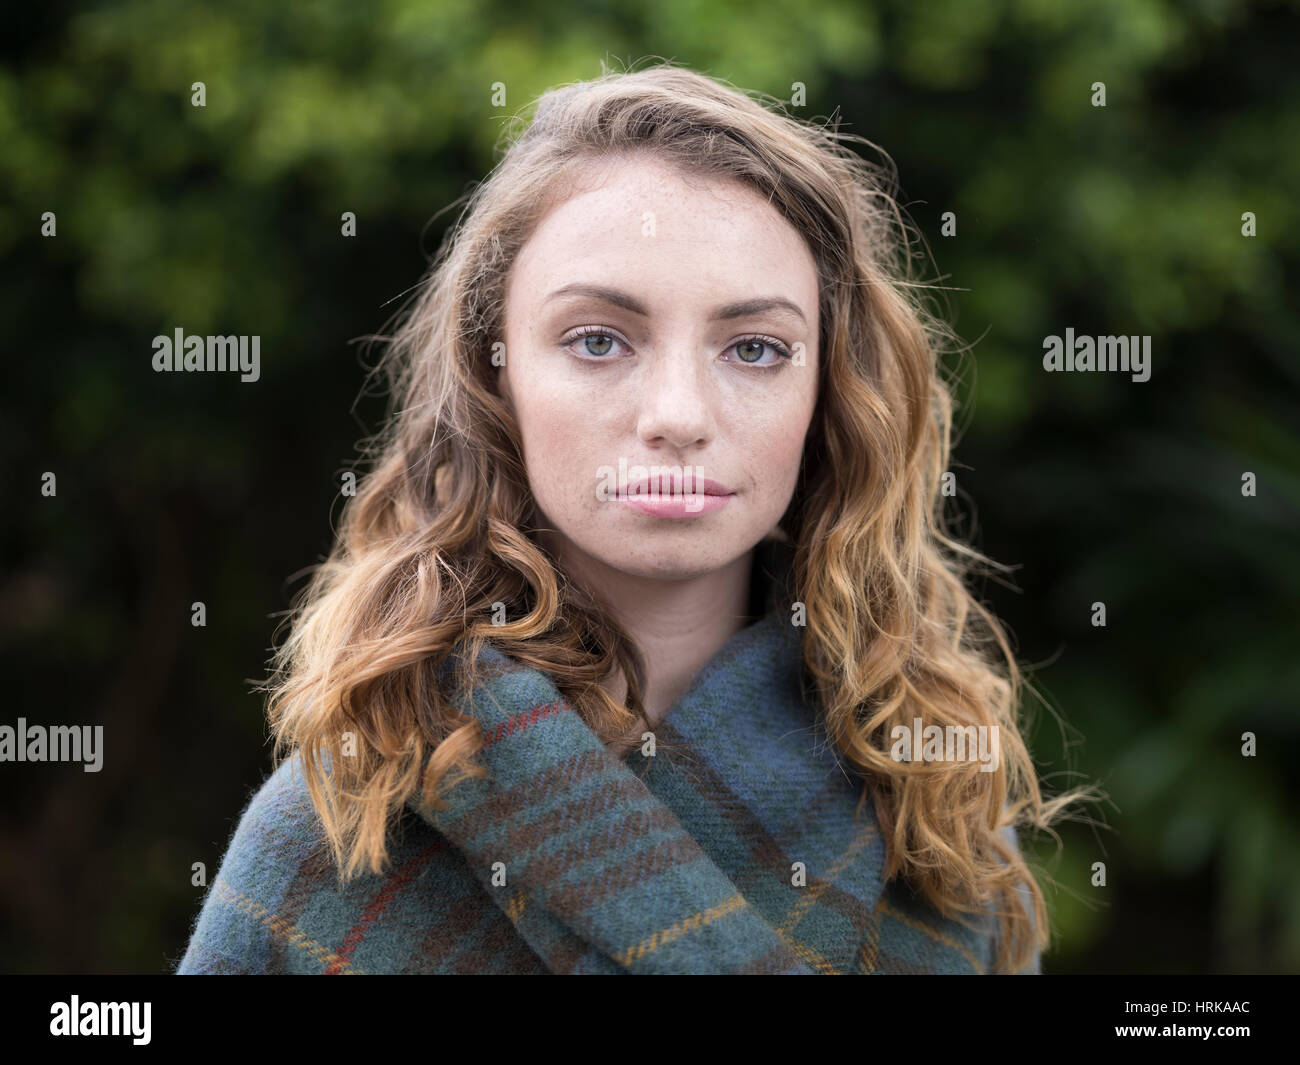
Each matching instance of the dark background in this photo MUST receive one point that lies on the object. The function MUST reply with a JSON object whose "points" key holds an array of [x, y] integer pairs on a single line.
{"points": [[1123, 219]]}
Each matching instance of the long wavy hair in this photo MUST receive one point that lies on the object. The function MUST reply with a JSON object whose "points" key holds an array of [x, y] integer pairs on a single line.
{"points": [[442, 526]]}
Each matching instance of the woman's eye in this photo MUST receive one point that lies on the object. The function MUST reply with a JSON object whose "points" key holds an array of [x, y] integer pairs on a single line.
{"points": [[592, 344], [750, 351]]}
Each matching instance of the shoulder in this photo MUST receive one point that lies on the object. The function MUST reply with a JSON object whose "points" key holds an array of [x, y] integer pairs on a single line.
{"points": [[276, 904], [275, 841], [910, 936]]}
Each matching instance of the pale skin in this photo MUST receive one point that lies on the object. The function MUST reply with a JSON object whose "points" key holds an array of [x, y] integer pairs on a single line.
{"points": [[676, 386]]}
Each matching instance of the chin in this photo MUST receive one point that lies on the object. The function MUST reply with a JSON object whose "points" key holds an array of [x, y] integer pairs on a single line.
{"points": [[670, 556]]}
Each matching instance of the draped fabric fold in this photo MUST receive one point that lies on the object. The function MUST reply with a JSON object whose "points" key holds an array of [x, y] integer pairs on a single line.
{"points": [[594, 871]]}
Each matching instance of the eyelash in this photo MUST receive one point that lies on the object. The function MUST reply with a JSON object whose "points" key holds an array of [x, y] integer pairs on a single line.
{"points": [[598, 330]]}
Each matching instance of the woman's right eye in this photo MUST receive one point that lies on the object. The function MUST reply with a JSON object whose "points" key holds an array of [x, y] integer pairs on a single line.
{"points": [[592, 344]]}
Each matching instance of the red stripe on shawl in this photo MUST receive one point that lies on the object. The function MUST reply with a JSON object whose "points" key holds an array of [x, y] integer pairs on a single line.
{"points": [[398, 880], [375, 908], [520, 721]]}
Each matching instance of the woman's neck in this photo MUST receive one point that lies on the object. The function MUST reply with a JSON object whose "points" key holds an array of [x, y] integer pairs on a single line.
{"points": [[678, 624]]}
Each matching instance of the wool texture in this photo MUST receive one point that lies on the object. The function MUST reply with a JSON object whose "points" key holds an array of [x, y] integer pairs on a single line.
{"points": [[738, 846]]}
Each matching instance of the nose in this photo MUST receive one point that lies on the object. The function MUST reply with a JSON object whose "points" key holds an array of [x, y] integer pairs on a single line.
{"points": [[675, 404]]}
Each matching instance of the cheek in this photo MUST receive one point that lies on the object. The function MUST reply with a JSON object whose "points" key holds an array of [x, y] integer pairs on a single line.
{"points": [[785, 454], [775, 450], [555, 423]]}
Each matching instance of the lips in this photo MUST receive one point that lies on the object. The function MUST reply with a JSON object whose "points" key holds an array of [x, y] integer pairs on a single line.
{"points": [[668, 487]]}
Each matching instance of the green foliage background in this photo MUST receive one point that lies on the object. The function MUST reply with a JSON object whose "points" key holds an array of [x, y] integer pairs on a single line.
{"points": [[1125, 219]]}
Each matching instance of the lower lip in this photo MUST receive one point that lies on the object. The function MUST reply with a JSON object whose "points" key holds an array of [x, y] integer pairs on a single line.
{"points": [[674, 506]]}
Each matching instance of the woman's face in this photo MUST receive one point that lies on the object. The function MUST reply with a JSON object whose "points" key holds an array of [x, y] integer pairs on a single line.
{"points": [[666, 441]]}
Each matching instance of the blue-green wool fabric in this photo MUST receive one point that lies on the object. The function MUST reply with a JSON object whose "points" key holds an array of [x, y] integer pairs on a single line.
{"points": [[737, 846]]}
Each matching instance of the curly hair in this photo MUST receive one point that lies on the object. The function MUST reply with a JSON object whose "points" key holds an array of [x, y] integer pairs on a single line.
{"points": [[442, 527]]}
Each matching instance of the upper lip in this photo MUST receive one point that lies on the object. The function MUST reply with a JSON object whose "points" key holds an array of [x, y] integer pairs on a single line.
{"points": [[670, 486]]}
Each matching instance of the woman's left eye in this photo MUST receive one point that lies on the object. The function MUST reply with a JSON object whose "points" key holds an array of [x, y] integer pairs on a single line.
{"points": [[758, 342]]}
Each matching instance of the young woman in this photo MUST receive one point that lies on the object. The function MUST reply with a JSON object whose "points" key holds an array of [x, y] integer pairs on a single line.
{"points": [[643, 647]]}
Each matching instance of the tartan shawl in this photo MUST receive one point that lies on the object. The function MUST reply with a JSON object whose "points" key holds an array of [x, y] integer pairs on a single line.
{"points": [[569, 859]]}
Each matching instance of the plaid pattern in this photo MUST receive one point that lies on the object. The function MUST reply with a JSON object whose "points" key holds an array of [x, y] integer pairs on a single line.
{"points": [[568, 859]]}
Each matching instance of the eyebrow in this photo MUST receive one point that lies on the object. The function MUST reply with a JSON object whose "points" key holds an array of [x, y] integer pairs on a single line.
{"points": [[740, 309]]}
